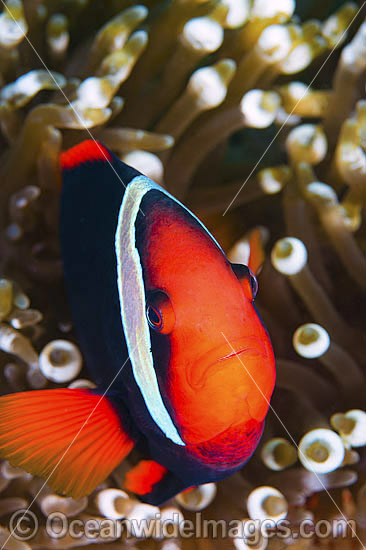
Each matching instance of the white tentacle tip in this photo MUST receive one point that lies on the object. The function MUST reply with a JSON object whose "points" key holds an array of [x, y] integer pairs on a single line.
{"points": [[260, 108], [203, 34], [238, 13], [351, 426], [209, 84], [307, 143], [274, 43], [278, 454], [114, 503], [267, 503], [311, 340], [147, 163], [264, 9], [289, 256], [322, 193], [198, 498], [60, 361], [321, 451]]}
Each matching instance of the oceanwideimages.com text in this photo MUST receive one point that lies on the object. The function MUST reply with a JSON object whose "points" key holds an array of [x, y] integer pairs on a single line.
{"points": [[24, 525]]}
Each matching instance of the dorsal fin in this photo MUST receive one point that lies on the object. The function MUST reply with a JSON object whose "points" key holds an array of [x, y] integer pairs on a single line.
{"points": [[87, 151], [85, 156]]}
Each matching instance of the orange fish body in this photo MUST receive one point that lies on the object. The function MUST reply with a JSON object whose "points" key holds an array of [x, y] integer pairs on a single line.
{"points": [[168, 328]]}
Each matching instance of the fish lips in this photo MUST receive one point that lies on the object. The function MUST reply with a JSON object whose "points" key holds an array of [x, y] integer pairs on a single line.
{"points": [[223, 356]]}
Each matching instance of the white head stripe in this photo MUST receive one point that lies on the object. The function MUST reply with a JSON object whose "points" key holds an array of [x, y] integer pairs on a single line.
{"points": [[131, 284], [132, 301]]}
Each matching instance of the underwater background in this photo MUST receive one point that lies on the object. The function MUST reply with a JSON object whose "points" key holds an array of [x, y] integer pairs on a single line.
{"points": [[253, 113]]}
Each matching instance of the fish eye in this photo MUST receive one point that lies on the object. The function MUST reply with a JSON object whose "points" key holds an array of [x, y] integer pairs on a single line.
{"points": [[247, 279], [154, 317], [159, 312]]}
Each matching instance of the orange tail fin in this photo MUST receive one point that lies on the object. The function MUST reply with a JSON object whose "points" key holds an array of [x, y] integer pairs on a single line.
{"points": [[72, 438]]}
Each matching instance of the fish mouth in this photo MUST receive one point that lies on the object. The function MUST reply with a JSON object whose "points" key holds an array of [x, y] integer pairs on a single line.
{"points": [[218, 358], [236, 353]]}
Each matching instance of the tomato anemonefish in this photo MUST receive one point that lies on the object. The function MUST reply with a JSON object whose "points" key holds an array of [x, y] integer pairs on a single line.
{"points": [[169, 332]]}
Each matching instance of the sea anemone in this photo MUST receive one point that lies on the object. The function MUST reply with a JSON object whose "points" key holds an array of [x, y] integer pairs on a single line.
{"points": [[201, 96]]}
